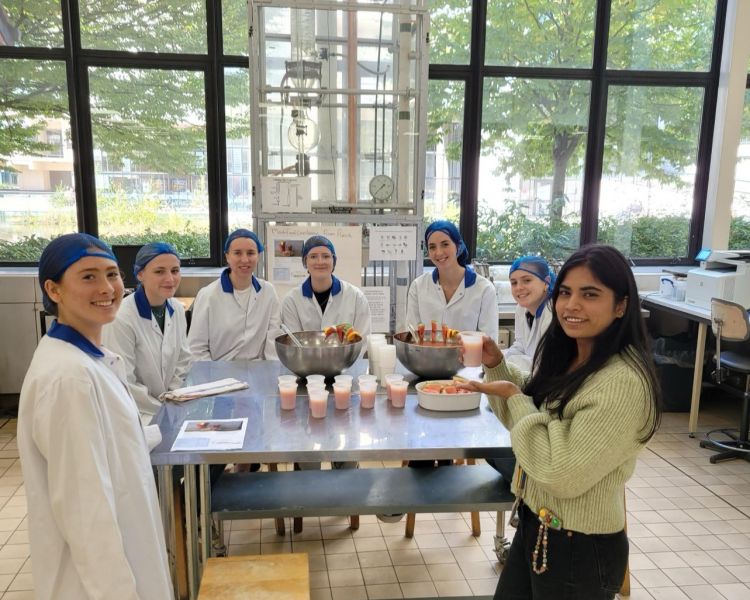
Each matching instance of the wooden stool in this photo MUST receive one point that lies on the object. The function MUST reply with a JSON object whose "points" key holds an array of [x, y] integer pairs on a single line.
{"points": [[267, 576], [411, 518]]}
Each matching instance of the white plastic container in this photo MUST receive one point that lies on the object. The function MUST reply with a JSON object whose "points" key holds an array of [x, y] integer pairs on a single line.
{"points": [[680, 287], [666, 286]]}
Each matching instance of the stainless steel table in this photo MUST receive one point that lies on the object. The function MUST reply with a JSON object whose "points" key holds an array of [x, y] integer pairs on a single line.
{"points": [[275, 435]]}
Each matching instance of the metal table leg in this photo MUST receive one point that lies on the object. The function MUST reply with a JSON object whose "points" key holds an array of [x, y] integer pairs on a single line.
{"points": [[205, 515], [695, 400], [166, 503], [191, 530]]}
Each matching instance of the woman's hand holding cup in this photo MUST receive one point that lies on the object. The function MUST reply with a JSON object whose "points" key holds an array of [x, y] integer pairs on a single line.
{"points": [[491, 354]]}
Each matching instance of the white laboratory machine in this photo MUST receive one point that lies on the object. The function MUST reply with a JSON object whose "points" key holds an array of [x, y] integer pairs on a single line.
{"points": [[723, 274]]}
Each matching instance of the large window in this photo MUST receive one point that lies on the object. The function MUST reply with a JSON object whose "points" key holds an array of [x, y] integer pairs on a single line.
{"points": [[650, 152], [444, 150], [539, 33], [118, 125], [37, 199], [36, 23], [144, 25], [581, 128], [149, 134], [550, 124], [239, 186], [531, 167], [739, 232]]}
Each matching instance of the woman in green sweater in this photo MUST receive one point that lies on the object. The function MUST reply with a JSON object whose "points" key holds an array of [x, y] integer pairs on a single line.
{"points": [[577, 425]]}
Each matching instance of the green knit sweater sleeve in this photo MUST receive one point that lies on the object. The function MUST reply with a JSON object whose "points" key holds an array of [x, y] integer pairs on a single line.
{"points": [[600, 430], [500, 406]]}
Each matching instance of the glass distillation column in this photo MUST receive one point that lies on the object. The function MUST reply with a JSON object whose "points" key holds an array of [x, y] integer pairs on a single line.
{"points": [[303, 74]]}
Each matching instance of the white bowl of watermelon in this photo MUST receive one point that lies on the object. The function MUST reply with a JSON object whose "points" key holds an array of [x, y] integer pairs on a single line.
{"points": [[443, 394]]}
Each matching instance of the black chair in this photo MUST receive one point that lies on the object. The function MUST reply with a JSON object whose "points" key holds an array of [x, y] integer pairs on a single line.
{"points": [[730, 323]]}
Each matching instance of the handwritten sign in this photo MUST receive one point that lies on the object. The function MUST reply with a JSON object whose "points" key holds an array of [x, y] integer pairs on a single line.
{"points": [[393, 243]]}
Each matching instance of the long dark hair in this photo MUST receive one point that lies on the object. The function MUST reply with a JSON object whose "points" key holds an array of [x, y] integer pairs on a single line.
{"points": [[551, 383]]}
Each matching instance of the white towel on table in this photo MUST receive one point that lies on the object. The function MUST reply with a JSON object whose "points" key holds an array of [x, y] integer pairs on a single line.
{"points": [[204, 389]]}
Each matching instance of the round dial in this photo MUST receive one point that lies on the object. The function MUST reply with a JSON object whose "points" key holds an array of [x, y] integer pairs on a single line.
{"points": [[381, 187]]}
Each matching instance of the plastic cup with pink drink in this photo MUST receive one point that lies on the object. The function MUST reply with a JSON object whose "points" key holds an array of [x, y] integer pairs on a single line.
{"points": [[342, 394], [318, 402], [398, 393], [288, 394], [388, 380], [472, 342], [367, 389]]}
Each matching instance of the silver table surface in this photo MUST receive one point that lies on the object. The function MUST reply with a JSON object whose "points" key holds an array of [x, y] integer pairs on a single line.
{"points": [[275, 435]]}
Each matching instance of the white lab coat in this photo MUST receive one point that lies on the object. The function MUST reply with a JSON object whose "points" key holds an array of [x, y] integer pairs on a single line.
{"points": [[473, 306], [300, 310], [94, 523], [222, 329], [155, 362], [526, 339]]}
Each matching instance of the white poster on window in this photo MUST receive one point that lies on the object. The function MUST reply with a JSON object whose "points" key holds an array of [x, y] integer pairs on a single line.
{"points": [[284, 253], [285, 194], [393, 243], [379, 299]]}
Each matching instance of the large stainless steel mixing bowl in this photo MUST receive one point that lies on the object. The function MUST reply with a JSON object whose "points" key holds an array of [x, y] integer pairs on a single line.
{"points": [[317, 355], [429, 362]]}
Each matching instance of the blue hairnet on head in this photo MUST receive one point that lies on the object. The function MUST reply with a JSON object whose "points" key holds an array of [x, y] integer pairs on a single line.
{"points": [[448, 228], [315, 241], [538, 267], [242, 233], [149, 252], [62, 252]]}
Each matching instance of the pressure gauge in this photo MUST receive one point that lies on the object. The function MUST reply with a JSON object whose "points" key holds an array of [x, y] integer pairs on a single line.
{"points": [[381, 187]]}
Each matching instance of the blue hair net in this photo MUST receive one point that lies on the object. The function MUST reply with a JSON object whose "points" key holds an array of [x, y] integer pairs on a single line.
{"points": [[315, 241], [242, 233], [448, 228], [62, 252], [149, 252], [538, 267]]}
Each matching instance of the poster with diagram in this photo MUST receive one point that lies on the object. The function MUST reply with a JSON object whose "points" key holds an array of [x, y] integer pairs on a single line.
{"points": [[285, 194], [284, 266]]}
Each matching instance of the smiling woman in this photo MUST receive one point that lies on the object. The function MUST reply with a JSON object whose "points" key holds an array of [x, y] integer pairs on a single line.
{"points": [[577, 424], [453, 294], [150, 332], [236, 317], [531, 283], [81, 443]]}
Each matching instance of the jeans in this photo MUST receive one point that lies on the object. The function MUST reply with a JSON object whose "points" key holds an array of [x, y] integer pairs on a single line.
{"points": [[580, 566]]}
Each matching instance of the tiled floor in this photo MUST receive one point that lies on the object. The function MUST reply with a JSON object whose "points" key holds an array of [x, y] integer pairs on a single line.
{"points": [[688, 521]]}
